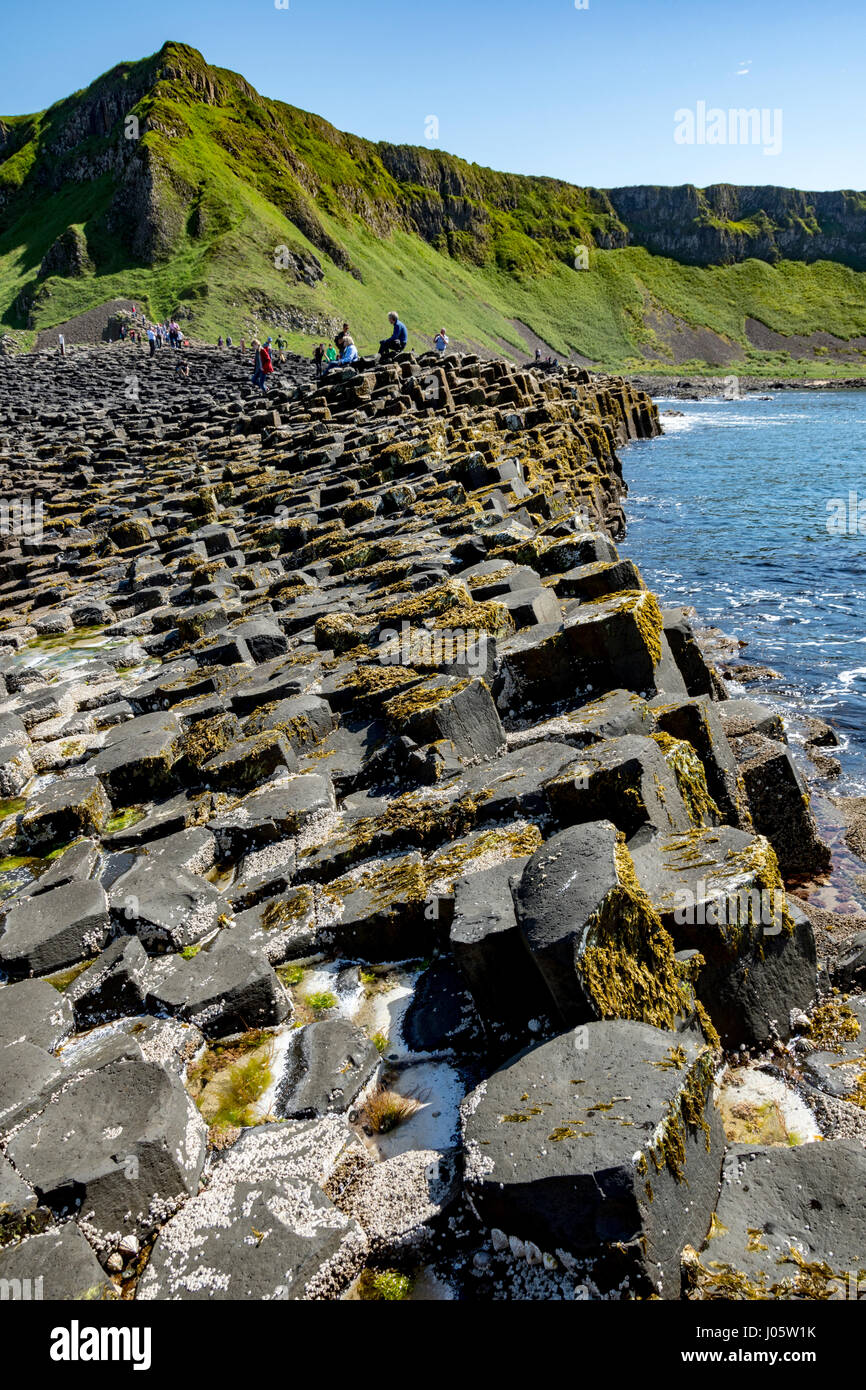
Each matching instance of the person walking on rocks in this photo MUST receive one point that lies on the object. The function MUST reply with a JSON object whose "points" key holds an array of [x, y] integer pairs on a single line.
{"points": [[61, 341], [389, 347], [151, 339], [262, 366], [258, 377], [440, 342], [318, 358], [220, 341]]}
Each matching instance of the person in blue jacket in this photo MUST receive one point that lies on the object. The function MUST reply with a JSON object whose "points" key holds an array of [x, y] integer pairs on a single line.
{"points": [[347, 356], [389, 347]]}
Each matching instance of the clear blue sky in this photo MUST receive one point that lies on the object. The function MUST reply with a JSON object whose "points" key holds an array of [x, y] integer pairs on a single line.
{"points": [[530, 86]]}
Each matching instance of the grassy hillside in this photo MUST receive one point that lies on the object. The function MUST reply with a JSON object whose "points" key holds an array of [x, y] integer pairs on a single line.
{"points": [[189, 217]]}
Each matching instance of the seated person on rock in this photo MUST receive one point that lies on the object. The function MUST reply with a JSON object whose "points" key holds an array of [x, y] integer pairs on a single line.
{"points": [[347, 356], [389, 347]]}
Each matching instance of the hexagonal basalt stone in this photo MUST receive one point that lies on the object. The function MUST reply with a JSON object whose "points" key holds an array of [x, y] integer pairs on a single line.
{"points": [[615, 642], [789, 1224], [118, 1148], [112, 986], [324, 1068], [377, 911], [28, 1075], [58, 1265], [262, 1240], [302, 719], [64, 810], [136, 760], [625, 780], [251, 761], [33, 1011], [594, 935], [719, 892], [225, 988], [167, 909], [272, 812], [779, 802], [602, 1144], [447, 708], [55, 929], [698, 722]]}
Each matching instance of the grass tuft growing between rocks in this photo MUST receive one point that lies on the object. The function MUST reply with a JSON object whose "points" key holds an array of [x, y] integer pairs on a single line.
{"points": [[384, 1110], [230, 1078]]}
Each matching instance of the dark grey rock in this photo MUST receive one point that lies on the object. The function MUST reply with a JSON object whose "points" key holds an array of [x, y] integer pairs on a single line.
{"points": [[63, 811], [28, 1075], [59, 1265], [324, 1068], [593, 936], [778, 1200], [225, 988], [79, 861], [625, 780], [137, 757], [697, 721], [603, 1144], [55, 929], [849, 968], [119, 1148], [167, 909], [33, 1011], [464, 715], [714, 891], [112, 987], [441, 1016], [273, 812], [261, 1240], [491, 953], [779, 802]]}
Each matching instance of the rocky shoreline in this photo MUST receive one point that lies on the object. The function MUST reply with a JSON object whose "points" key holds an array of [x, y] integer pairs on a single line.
{"points": [[393, 899], [730, 387]]}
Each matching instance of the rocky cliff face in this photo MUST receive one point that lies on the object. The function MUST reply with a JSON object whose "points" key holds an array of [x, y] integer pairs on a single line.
{"points": [[169, 159], [454, 205], [723, 224]]}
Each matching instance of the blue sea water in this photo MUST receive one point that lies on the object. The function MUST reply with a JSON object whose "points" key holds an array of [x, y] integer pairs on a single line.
{"points": [[729, 512]]}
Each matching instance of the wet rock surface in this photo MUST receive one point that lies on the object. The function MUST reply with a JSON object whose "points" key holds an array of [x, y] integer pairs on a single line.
{"points": [[352, 776]]}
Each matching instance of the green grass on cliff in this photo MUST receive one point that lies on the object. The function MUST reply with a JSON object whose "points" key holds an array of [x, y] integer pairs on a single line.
{"points": [[237, 176]]}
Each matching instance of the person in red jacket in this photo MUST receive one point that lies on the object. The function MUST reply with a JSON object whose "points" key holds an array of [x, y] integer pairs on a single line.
{"points": [[263, 365]]}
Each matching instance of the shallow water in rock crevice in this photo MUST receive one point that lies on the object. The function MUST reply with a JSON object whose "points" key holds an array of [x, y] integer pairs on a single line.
{"points": [[62, 653]]}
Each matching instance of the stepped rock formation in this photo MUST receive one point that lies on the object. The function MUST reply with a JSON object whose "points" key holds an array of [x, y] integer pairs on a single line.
{"points": [[355, 784]]}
